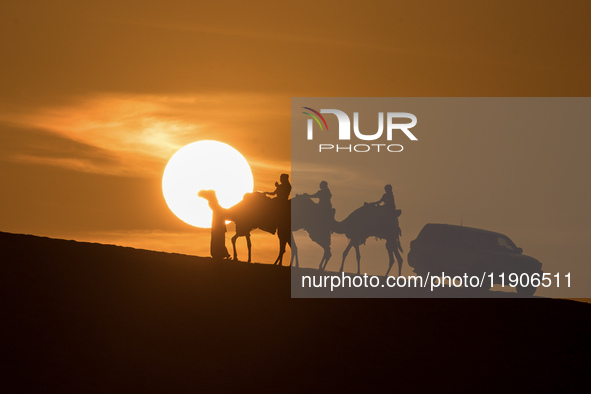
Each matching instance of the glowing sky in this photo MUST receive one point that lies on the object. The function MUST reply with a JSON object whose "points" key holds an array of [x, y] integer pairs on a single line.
{"points": [[96, 97]]}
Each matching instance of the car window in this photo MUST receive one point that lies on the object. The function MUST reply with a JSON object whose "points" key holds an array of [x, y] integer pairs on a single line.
{"points": [[506, 244], [464, 238], [495, 242]]}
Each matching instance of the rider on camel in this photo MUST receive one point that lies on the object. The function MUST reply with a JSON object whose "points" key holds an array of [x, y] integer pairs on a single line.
{"points": [[324, 195], [282, 190], [389, 206], [281, 200]]}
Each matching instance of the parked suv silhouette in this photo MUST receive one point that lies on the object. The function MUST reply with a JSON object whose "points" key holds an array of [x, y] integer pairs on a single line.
{"points": [[458, 250]]}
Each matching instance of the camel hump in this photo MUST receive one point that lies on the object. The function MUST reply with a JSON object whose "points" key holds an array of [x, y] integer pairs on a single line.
{"points": [[254, 196], [371, 220]]}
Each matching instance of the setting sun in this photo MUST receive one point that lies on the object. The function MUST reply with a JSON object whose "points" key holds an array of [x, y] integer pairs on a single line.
{"points": [[204, 165]]}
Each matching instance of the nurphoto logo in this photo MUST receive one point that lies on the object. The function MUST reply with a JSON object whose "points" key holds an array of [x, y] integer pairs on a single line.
{"points": [[393, 125]]}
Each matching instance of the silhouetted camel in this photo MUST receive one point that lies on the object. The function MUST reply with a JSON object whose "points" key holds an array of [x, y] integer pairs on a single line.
{"points": [[310, 217], [258, 211], [370, 221]]}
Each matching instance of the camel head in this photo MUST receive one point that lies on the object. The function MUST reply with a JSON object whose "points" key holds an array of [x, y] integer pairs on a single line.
{"points": [[209, 195]]}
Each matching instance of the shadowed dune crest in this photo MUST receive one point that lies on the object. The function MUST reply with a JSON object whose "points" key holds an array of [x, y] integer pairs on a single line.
{"points": [[81, 317]]}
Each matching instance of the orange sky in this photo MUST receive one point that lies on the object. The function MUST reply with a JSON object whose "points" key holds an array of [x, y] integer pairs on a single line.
{"points": [[96, 97]]}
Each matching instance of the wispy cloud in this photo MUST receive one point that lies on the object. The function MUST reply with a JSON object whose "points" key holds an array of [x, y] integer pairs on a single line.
{"points": [[139, 133], [131, 129]]}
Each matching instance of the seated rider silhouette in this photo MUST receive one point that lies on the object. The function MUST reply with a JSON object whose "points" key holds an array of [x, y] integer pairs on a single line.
{"points": [[323, 195], [281, 200], [389, 206], [282, 190]]}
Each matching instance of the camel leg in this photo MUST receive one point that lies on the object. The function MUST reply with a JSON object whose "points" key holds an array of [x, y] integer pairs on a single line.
{"points": [[345, 253], [294, 253], [234, 238], [390, 261], [249, 245], [284, 236], [389, 248], [279, 260], [290, 241], [358, 255], [327, 255], [397, 249]]}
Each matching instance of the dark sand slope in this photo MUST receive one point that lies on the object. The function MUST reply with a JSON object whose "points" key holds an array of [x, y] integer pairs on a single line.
{"points": [[80, 317]]}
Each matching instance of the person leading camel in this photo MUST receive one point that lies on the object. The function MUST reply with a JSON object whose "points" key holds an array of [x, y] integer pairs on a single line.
{"points": [[218, 225]]}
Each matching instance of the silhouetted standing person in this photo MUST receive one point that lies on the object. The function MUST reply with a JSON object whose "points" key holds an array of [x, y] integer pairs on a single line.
{"points": [[218, 225]]}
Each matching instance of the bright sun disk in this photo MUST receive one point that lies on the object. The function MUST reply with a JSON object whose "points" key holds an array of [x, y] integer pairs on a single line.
{"points": [[204, 165]]}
